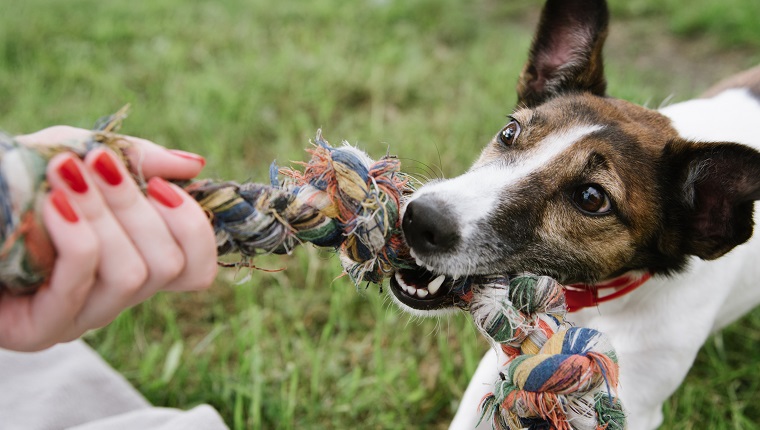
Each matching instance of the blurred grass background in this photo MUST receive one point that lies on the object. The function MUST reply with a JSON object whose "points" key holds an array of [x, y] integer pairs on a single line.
{"points": [[246, 81]]}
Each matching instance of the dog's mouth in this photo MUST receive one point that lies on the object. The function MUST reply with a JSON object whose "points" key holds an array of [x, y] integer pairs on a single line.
{"points": [[423, 290]]}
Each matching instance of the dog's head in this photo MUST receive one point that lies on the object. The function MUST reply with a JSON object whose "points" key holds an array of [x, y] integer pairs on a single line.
{"points": [[577, 185]]}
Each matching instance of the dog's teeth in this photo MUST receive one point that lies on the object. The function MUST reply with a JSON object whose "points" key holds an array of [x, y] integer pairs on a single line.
{"points": [[435, 284], [419, 262], [422, 293], [411, 252], [399, 279], [404, 286]]}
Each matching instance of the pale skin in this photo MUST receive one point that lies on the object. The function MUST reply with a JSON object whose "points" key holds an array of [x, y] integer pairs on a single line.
{"points": [[123, 247]]}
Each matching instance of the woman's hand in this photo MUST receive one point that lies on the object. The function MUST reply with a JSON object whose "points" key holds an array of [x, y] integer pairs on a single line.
{"points": [[116, 247]]}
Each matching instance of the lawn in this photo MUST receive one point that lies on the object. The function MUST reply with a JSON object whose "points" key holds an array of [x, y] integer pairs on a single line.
{"points": [[244, 82]]}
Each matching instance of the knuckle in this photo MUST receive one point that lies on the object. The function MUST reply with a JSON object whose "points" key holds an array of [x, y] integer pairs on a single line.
{"points": [[85, 248], [172, 264], [206, 280], [132, 280]]}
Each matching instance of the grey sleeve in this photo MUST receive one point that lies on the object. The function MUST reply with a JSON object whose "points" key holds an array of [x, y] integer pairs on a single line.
{"points": [[70, 386]]}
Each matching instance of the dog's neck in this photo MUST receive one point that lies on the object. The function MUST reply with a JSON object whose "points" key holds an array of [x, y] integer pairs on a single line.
{"points": [[580, 296], [728, 116]]}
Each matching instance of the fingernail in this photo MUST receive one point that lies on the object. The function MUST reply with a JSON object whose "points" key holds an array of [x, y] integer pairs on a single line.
{"points": [[163, 193], [107, 169], [189, 156], [70, 173], [62, 205]]}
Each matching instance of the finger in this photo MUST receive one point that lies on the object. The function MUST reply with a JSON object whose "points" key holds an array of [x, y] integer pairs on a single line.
{"points": [[191, 230], [146, 157], [121, 271], [35, 322], [55, 134], [139, 219], [149, 159]]}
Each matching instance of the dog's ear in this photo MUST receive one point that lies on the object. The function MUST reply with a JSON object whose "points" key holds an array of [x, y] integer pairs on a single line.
{"points": [[717, 184], [566, 54]]}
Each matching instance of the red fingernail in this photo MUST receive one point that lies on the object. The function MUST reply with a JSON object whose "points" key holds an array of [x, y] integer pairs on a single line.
{"points": [[189, 156], [62, 205], [70, 173], [107, 169], [163, 192]]}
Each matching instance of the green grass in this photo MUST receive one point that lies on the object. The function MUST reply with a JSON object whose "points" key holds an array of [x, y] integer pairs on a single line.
{"points": [[247, 81], [729, 22]]}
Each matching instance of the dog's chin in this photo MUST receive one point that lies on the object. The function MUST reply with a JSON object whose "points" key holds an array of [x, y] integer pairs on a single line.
{"points": [[424, 293]]}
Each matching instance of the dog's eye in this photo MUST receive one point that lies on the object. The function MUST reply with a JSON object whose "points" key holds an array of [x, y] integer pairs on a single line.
{"points": [[508, 134], [592, 199]]}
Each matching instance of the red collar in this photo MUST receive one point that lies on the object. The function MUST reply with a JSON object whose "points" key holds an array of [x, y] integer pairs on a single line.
{"points": [[579, 296]]}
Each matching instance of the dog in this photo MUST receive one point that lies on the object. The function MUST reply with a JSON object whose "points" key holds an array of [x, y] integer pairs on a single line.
{"points": [[598, 192]]}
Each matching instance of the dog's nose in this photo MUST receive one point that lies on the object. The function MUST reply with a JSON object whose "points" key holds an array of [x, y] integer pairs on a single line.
{"points": [[429, 226]]}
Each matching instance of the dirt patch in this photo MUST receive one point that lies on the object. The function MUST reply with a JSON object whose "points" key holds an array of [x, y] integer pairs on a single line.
{"points": [[688, 65]]}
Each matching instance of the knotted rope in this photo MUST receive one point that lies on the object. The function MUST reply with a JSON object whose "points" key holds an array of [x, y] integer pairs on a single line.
{"points": [[556, 376], [341, 200]]}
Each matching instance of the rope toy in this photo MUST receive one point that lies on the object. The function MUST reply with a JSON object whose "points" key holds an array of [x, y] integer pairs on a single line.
{"points": [[557, 376], [342, 200]]}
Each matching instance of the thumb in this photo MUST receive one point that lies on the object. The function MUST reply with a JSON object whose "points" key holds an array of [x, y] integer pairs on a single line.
{"points": [[144, 156]]}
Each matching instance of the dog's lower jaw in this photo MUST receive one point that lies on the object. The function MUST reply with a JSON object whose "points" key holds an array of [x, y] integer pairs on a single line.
{"points": [[423, 293], [423, 313]]}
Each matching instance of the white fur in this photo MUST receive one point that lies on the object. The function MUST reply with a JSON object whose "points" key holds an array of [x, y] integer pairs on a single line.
{"points": [[731, 116], [658, 329]]}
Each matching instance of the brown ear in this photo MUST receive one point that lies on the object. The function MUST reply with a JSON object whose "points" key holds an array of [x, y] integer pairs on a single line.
{"points": [[566, 54], [718, 184]]}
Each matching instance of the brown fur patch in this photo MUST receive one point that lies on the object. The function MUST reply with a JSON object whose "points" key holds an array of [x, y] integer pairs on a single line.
{"points": [[623, 158]]}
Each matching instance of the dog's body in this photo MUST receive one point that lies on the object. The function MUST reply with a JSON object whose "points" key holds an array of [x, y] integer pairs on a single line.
{"points": [[586, 188], [658, 329]]}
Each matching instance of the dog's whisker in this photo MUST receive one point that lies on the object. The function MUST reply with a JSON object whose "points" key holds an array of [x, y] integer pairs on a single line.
{"points": [[426, 167]]}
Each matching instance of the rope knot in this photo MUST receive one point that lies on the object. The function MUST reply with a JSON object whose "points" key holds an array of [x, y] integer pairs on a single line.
{"points": [[365, 198], [556, 374]]}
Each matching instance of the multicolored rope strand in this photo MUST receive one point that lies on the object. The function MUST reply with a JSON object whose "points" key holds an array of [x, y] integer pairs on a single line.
{"points": [[557, 376], [341, 200]]}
